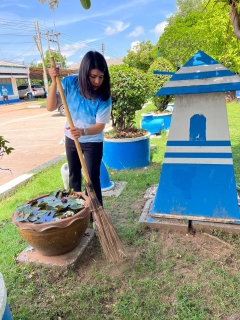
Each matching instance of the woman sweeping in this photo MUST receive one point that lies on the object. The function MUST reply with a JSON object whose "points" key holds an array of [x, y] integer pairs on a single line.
{"points": [[89, 101]]}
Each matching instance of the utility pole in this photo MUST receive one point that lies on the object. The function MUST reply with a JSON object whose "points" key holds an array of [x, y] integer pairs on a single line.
{"points": [[103, 47], [59, 52], [38, 43], [49, 49], [60, 56]]}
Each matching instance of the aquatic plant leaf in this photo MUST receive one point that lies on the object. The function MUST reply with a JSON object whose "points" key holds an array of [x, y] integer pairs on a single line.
{"points": [[55, 203], [24, 209], [19, 219], [42, 213], [42, 205], [27, 215], [54, 193], [76, 206], [32, 219], [50, 208]]}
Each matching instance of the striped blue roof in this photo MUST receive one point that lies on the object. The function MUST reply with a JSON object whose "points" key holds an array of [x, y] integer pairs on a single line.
{"points": [[201, 74]]}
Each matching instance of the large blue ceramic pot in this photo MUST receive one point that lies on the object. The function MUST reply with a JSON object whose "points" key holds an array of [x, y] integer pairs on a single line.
{"points": [[155, 123], [127, 153], [151, 123]]}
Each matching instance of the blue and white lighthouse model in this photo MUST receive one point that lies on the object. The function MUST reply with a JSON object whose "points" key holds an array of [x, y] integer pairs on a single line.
{"points": [[197, 178]]}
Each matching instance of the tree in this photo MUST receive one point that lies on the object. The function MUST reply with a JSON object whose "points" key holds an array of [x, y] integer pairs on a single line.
{"points": [[156, 81], [234, 15], [86, 4], [141, 56], [209, 30], [184, 8], [57, 57]]}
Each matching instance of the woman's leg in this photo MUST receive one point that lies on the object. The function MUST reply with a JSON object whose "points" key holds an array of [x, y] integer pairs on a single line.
{"points": [[93, 156], [75, 176]]}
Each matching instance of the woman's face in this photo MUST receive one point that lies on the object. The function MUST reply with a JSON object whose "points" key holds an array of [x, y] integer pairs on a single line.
{"points": [[96, 78]]}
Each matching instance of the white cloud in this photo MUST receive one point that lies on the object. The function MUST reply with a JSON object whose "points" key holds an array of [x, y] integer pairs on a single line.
{"points": [[10, 4], [159, 28], [135, 46], [69, 50], [136, 32], [118, 26], [70, 63], [114, 9]]}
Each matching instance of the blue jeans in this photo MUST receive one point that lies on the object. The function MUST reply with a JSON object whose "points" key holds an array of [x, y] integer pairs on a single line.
{"points": [[5, 98]]}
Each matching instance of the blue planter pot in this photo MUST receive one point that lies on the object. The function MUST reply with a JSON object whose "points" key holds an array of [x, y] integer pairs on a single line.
{"points": [[170, 107], [106, 184], [152, 122], [5, 313], [132, 153]]}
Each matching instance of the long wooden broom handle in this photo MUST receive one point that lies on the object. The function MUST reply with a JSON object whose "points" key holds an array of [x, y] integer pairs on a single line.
{"points": [[69, 118]]}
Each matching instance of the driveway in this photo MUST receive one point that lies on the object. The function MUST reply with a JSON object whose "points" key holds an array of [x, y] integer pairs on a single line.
{"points": [[34, 133]]}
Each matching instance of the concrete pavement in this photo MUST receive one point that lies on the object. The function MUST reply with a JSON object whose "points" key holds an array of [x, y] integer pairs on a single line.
{"points": [[35, 134]]}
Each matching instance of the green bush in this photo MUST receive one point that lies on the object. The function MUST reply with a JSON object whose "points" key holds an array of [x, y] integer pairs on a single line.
{"points": [[3, 147], [129, 91], [156, 81]]}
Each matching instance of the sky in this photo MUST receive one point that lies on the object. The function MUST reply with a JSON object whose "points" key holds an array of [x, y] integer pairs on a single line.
{"points": [[110, 27]]}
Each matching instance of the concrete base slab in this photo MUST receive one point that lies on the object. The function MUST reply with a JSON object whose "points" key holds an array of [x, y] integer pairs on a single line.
{"points": [[116, 190], [65, 261], [184, 225]]}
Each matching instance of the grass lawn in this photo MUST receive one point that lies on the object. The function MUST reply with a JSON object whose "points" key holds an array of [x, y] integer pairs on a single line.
{"points": [[170, 275]]}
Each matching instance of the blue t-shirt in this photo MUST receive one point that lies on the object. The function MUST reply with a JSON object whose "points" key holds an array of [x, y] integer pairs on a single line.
{"points": [[4, 92], [85, 113]]}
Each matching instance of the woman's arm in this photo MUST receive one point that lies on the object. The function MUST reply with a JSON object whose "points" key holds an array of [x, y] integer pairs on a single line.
{"points": [[78, 132], [52, 102]]}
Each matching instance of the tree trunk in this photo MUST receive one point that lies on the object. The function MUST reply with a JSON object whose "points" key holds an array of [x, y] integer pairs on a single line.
{"points": [[235, 18]]}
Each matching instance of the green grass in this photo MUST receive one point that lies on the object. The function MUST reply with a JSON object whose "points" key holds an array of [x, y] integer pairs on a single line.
{"points": [[169, 275]]}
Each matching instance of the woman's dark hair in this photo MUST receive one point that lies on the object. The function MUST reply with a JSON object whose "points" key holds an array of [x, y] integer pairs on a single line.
{"points": [[94, 60]]}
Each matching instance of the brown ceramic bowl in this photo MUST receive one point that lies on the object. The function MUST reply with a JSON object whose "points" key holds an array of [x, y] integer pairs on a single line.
{"points": [[56, 237]]}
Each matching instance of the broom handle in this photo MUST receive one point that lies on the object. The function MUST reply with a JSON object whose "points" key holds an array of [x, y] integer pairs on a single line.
{"points": [[69, 118]]}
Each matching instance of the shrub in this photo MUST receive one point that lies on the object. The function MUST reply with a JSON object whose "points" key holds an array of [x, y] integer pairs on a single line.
{"points": [[129, 92], [4, 149], [156, 81]]}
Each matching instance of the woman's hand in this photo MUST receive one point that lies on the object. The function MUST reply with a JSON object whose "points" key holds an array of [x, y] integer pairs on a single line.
{"points": [[53, 72], [76, 133]]}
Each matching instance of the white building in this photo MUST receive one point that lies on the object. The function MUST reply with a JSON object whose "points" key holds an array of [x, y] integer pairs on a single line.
{"points": [[9, 73]]}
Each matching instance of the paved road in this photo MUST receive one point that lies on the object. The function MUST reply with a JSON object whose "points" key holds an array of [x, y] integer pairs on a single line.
{"points": [[34, 133]]}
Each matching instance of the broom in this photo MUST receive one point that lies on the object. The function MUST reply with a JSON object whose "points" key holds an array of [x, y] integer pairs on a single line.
{"points": [[111, 244]]}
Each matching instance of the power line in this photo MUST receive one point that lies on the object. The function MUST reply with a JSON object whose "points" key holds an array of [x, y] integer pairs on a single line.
{"points": [[22, 53]]}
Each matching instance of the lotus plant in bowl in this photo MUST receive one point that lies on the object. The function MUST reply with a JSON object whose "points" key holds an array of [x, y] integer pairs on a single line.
{"points": [[53, 224]]}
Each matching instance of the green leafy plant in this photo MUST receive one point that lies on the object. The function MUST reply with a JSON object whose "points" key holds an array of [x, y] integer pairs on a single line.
{"points": [[59, 204], [4, 148], [156, 81], [129, 91]]}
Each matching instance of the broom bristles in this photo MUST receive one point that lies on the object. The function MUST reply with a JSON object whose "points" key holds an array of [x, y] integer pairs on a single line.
{"points": [[111, 244]]}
